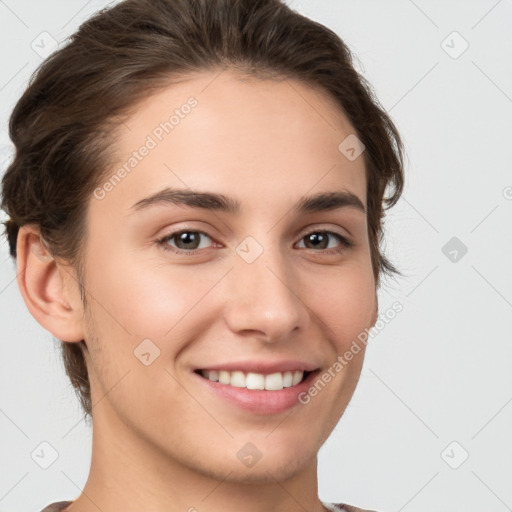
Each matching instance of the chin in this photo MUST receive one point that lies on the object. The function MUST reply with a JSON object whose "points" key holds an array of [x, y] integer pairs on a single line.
{"points": [[271, 467]]}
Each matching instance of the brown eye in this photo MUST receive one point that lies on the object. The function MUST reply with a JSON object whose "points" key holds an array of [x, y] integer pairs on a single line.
{"points": [[183, 241], [319, 240], [187, 240]]}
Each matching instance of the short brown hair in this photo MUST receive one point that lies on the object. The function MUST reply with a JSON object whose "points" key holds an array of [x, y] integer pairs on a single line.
{"points": [[61, 126]]}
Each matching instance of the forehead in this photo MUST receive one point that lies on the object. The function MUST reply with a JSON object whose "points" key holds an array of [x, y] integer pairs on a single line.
{"points": [[264, 140]]}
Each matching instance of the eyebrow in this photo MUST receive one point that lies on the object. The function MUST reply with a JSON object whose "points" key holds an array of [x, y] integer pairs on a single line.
{"points": [[219, 202]]}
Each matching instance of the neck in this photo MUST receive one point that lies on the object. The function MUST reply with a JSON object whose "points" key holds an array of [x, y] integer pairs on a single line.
{"points": [[129, 473]]}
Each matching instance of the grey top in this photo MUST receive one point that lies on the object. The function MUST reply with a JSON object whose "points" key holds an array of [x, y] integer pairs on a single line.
{"points": [[57, 506]]}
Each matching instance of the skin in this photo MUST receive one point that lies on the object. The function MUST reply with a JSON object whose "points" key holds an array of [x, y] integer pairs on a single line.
{"points": [[161, 440]]}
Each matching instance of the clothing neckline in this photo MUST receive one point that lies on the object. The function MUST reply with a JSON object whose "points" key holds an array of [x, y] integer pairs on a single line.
{"points": [[60, 506]]}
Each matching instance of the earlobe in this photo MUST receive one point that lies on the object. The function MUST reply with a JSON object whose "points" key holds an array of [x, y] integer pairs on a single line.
{"points": [[45, 290]]}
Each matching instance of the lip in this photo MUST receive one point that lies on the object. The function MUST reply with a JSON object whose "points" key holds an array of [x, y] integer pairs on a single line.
{"points": [[263, 367], [258, 401]]}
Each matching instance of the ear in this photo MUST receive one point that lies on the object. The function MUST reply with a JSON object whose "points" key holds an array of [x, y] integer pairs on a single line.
{"points": [[49, 290]]}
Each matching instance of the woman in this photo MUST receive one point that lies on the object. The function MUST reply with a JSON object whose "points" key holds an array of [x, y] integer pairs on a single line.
{"points": [[195, 210]]}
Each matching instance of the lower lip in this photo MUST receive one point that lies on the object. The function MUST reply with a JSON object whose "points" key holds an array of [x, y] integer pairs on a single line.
{"points": [[260, 401]]}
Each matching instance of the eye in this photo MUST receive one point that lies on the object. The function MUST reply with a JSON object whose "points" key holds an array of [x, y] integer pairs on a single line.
{"points": [[187, 241], [320, 240]]}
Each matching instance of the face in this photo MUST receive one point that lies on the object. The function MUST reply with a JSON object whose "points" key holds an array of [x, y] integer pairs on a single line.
{"points": [[252, 278]]}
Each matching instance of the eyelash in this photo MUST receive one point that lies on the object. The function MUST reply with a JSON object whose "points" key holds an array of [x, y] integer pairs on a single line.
{"points": [[162, 242]]}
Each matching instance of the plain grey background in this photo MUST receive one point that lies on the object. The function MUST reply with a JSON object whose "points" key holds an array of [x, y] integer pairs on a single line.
{"points": [[429, 427]]}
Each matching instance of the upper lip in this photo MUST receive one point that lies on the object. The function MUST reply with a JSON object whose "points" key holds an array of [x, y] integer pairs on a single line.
{"points": [[263, 367]]}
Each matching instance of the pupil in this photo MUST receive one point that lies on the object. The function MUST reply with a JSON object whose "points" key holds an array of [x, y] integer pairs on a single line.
{"points": [[188, 238], [318, 237]]}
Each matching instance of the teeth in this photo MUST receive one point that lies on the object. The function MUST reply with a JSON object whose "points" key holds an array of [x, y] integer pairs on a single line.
{"points": [[271, 382], [224, 377], [288, 379], [255, 381], [237, 379]]}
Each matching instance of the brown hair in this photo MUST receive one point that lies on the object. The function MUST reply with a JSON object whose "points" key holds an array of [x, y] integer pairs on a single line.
{"points": [[62, 125]]}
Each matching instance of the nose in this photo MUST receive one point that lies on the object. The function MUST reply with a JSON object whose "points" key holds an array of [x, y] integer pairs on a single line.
{"points": [[264, 299]]}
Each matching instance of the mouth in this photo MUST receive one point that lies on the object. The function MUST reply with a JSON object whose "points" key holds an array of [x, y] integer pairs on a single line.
{"points": [[256, 381], [257, 393]]}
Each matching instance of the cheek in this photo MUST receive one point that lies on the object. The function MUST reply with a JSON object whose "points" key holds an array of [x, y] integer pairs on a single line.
{"points": [[346, 304], [150, 299], [147, 298]]}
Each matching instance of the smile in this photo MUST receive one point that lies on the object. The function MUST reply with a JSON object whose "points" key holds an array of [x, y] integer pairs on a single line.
{"points": [[257, 393], [270, 382]]}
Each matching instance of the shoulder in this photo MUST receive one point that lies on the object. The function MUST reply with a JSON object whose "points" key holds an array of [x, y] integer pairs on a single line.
{"points": [[58, 506]]}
